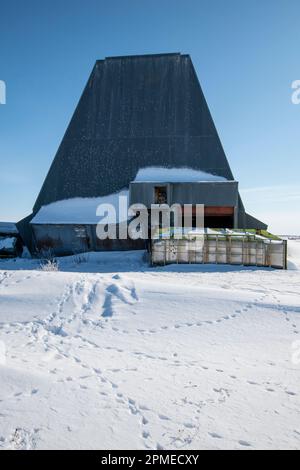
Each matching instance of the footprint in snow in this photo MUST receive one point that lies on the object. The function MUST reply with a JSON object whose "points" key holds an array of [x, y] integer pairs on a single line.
{"points": [[189, 425], [164, 418], [244, 444], [214, 435], [291, 394]]}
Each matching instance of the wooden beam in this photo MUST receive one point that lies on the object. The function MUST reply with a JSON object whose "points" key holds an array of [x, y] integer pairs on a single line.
{"points": [[213, 211]]}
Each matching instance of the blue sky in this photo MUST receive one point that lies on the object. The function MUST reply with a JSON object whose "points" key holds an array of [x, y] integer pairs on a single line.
{"points": [[246, 54]]}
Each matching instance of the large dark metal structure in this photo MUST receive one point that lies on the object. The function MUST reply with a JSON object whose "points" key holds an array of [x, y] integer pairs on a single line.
{"points": [[136, 112]]}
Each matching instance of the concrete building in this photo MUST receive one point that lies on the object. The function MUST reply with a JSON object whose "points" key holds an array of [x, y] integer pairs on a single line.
{"points": [[137, 113]]}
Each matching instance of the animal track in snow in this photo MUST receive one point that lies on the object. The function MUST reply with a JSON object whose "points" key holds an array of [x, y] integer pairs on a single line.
{"points": [[198, 324], [244, 443], [9, 276], [291, 394], [214, 435]]}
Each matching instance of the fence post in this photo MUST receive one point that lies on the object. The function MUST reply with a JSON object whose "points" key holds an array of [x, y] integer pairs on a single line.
{"points": [[243, 251], [285, 253], [256, 251]]}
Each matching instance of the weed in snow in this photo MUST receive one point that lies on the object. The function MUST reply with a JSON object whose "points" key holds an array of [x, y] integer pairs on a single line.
{"points": [[81, 258], [50, 266]]}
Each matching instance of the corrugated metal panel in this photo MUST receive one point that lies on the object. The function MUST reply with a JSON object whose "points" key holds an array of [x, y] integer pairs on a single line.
{"points": [[62, 240], [209, 194]]}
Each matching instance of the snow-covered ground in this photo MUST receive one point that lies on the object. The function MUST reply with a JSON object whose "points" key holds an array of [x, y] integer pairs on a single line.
{"points": [[108, 353]]}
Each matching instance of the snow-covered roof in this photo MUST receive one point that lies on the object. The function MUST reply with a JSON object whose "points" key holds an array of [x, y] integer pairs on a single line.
{"points": [[8, 228], [83, 210], [175, 175], [7, 244]]}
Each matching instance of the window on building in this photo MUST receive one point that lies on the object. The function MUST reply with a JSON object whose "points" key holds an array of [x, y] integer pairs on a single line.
{"points": [[160, 195]]}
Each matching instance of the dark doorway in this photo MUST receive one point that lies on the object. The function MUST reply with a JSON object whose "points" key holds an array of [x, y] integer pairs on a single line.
{"points": [[219, 217], [218, 222], [160, 195]]}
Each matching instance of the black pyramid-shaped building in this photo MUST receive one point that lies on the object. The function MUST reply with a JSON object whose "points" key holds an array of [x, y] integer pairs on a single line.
{"points": [[135, 112]]}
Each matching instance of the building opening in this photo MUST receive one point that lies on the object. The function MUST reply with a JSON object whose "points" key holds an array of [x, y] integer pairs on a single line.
{"points": [[214, 217], [219, 217], [160, 195]]}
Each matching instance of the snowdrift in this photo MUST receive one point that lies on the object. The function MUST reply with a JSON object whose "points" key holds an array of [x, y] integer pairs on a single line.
{"points": [[294, 255]]}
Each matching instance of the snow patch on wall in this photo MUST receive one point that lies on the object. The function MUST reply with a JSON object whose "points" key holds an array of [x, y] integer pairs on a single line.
{"points": [[175, 175], [81, 210], [84, 210], [7, 243]]}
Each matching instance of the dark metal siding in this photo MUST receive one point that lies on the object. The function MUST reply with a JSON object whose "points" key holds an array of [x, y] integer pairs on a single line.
{"points": [[62, 240], [209, 194], [134, 112]]}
